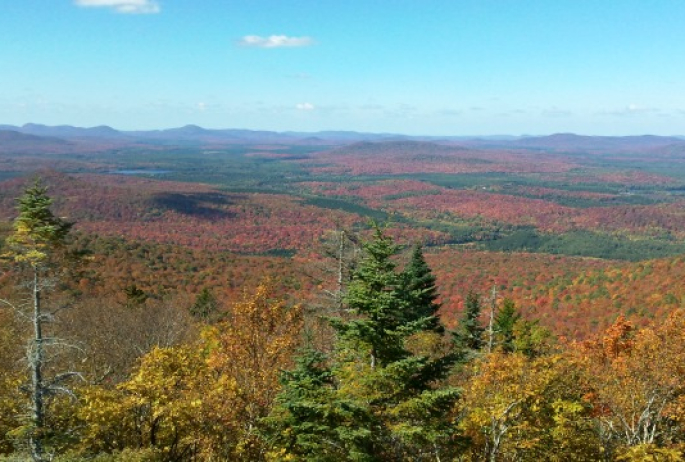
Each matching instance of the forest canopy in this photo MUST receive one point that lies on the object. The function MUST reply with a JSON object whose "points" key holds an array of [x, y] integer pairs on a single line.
{"points": [[371, 375]]}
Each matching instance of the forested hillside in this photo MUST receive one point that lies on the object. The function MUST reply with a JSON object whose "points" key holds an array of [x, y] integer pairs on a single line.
{"points": [[130, 376], [378, 301]]}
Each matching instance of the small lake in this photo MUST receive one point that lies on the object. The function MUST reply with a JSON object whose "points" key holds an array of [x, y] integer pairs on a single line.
{"points": [[151, 171]]}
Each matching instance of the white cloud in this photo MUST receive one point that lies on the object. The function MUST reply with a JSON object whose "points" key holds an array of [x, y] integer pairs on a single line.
{"points": [[123, 6], [305, 106], [275, 41], [632, 110]]}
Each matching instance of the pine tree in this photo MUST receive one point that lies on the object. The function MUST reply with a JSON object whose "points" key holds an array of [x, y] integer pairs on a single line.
{"points": [[421, 291], [311, 422], [34, 247], [378, 401], [37, 232], [374, 296], [205, 306], [469, 333], [505, 321]]}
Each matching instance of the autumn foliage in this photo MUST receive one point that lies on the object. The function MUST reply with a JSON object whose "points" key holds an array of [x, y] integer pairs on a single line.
{"points": [[585, 362]]}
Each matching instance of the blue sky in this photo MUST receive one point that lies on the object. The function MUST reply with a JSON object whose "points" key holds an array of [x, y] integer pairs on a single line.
{"points": [[433, 67]]}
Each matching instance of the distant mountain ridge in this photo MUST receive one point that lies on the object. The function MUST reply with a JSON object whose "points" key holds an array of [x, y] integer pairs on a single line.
{"points": [[64, 131], [13, 136], [194, 134], [565, 142], [406, 146], [188, 132], [18, 142]]}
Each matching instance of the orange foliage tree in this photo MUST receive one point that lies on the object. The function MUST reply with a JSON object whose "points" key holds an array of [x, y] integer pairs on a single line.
{"points": [[636, 382], [247, 352]]}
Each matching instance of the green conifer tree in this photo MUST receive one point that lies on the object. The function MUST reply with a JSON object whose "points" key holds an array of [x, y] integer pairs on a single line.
{"points": [[311, 421], [374, 296], [205, 306], [34, 247], [381, 402], [469, 332], [421, 291], [506, 319]]}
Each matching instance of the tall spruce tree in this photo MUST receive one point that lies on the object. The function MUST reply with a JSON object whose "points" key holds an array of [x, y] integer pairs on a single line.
{"points": [[469, 333], [505, 321], [381, 402], [421, 291], [374, 296]]}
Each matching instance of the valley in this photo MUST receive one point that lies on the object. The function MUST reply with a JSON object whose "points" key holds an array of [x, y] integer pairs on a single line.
{"points": [[575, 206], [219, 288]]}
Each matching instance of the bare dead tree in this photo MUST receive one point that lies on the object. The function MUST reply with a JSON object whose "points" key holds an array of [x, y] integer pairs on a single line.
{"points": [[340, 252], [491, 321]]}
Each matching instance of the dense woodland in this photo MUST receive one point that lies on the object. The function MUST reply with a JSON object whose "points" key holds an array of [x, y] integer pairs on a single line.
{"points": [[374, 302]]}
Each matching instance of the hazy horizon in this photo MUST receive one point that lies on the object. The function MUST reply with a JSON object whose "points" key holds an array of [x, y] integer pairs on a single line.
{"points": [[286, 131]]}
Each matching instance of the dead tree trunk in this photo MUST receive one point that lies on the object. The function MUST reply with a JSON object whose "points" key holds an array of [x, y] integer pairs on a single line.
{"points": [[36, 358]]}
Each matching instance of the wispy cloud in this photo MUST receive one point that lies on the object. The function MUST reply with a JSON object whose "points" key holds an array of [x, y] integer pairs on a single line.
{"points": [[123, 6], [305, 106], [511, 113], [631, 110], [275, 41]]}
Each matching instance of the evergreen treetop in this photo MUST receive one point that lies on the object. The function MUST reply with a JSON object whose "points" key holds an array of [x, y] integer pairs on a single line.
{"points": [[385, 409], [469, 332], [374, 297], [37, 231], [421, 291], [505, 321]]}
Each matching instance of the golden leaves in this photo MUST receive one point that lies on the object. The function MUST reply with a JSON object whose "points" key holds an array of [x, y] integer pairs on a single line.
{"points": [[636, 379]]}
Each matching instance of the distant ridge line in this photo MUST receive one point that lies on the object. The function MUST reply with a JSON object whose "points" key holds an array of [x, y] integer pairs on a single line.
{"points": [[196, 134]]}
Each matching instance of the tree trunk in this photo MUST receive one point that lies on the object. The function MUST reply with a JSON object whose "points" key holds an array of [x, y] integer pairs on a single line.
{"points": [[36, 366], [491, 331], [341, 256]]}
